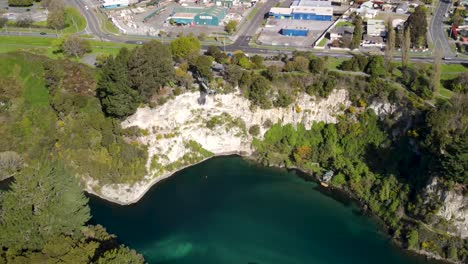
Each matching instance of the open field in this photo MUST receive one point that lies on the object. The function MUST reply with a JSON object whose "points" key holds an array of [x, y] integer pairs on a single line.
{"points": [[47, 46], [74, 22]]}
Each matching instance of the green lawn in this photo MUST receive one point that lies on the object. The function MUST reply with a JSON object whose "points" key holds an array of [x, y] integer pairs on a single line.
{"points": [[451, 68], [74, 20], [35, 93], [322, 42], [47, 46], [344, 24], [333, 63]]}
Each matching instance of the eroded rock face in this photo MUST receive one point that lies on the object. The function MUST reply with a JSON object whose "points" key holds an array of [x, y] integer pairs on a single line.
{"points": [[454, 207], [182, 132]]}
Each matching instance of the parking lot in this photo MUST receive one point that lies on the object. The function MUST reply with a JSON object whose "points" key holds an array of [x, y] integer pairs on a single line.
{"points": [[271, 33], [152, 21], [35, 12]]}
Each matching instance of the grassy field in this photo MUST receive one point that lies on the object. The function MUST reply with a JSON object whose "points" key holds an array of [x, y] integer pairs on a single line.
{"points": [[47, 46], [333, 63], [74, 22], [34, 93]]}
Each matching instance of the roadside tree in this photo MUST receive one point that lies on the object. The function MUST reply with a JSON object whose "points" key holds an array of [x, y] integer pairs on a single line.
{"points": [[231, 26], [185, 48], [75, 46], [417, 23]]}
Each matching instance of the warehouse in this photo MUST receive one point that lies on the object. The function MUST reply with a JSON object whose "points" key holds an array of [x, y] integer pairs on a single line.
{"points": [[305, 10], [198, 16], [295, 31]]}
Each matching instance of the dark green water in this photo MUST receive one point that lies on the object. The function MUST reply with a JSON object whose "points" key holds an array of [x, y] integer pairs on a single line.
{"points": [[227, 210]]}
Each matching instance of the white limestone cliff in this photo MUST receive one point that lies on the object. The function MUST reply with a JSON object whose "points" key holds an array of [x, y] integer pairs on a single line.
{"points": [[172, 126]]}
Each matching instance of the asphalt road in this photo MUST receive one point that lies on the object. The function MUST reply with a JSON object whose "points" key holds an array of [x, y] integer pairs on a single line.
{"points": [[242, 42], [438, 33], [248, 30]]}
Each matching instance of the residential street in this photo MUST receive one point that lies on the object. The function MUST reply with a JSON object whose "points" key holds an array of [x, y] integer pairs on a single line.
{"points": [[438, 33]]}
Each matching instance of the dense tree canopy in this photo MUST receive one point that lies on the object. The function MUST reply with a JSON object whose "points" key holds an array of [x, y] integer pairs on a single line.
{"points": [[150, 68], [117, 98], [20, 2], [417, 23], [185, 47], [44, 202]]}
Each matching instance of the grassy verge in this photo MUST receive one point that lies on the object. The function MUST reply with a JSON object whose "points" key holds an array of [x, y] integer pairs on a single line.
{"points": [[344, 24], [74, 22], [47, 46], [322, 42], [333, 63]]}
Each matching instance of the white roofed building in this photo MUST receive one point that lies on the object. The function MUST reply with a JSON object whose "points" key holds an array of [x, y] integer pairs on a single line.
{"points": [[114, 3]]}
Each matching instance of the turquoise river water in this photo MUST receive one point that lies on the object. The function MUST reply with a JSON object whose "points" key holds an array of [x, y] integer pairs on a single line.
{"points": [[228, 210]]}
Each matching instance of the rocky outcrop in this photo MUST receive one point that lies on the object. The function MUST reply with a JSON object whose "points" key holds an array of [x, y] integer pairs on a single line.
{"points": [[182, 132], [454, 207]]}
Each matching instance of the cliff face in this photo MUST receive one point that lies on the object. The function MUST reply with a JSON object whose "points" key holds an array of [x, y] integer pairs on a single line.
{"points": [[454, 207], [182, 132]]}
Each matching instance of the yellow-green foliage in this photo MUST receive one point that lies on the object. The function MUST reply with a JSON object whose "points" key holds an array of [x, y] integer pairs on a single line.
{"points": [[60, 120]]}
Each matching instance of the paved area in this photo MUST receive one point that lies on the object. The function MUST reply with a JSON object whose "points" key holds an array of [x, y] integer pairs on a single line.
{"points": [[438, 34], [271, 33], [35, 12]]}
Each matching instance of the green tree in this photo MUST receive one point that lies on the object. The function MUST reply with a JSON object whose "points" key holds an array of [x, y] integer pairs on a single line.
{"points": [[452, 252], [203, 65], [56, 16], [357, 34], [121, 255], [390, 45], [376, 66], [460, 84], [405, 47], [20, 2], [75, 46], [258, 92], [150, 68], [257, 60], [413, 239], [186, 47], [233, 74], [417, 23], [231, 26], [44, 202], [3, 21], [117, 98], [436, 71]]}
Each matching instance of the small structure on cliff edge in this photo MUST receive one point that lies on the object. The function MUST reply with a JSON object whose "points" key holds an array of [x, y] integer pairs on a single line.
{"points": [[326, 178], [204, 89]]}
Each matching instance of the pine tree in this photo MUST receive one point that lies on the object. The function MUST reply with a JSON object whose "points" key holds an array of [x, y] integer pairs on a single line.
{"points": [[117, 98], [150, 68], [44, 202]]}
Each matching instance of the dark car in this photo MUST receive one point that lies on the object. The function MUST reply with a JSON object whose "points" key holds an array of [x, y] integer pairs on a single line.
{"points": [[43, 33]]}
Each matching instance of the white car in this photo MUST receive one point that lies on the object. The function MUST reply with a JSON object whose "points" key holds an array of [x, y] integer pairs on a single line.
{"points": [[86, 7]]}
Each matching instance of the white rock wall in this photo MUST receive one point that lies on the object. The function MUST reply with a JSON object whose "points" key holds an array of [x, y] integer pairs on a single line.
{"points": [[182, 119]]}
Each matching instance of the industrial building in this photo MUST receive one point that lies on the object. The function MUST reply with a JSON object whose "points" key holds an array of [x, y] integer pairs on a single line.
{"points": [[321, 10], [295, 31], [115, 3], [198, 16]]}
